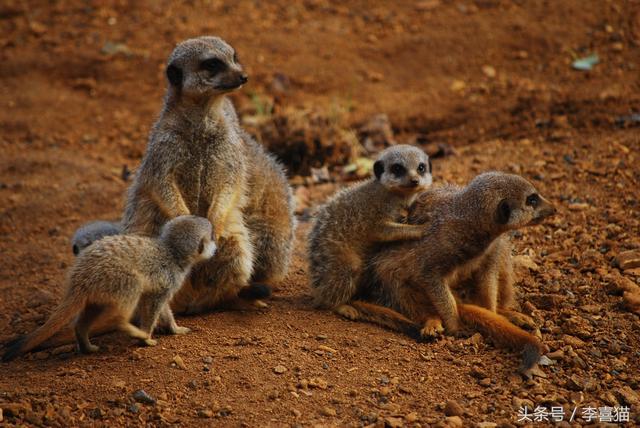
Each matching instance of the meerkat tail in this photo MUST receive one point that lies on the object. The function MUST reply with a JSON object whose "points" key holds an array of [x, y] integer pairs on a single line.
{"points": [[61, 316], [387, 318], [504, 332], [254, 292]]}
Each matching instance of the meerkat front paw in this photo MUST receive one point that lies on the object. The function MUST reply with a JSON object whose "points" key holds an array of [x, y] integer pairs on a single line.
{"points": [[181, 330], [432, 328], [89, 349], [149, 342], [520, 319], [348, 312], [260, 304]]}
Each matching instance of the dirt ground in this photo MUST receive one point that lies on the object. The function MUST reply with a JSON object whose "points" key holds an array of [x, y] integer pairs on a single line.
{"points": [[488, 84]]}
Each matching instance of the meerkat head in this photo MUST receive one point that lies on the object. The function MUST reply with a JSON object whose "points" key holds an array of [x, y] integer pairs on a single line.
{"points": [[511, 200], [190, 238], [91, 232], [204, 67], [403, 169]]}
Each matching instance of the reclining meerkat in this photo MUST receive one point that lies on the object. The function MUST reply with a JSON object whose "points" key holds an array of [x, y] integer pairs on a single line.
{"points": [[116, 274], [410, 285], [198, 161], [349, 225], [91, 232]]}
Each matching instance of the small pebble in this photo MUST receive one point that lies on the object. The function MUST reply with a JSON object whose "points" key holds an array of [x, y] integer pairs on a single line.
{"points": [[279, 369], [328, 411], [452, 408], [142, 397]]}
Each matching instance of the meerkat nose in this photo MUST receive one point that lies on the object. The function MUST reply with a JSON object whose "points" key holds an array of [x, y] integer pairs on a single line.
{"points": [[244, 78], [415, 181]]}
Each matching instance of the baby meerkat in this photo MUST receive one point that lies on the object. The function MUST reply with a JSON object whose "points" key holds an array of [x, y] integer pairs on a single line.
{"points": [[91, 232], [116, 274], [349, 225], [410, 286]]}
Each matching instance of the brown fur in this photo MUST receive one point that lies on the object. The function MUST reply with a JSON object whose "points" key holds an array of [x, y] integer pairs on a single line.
{"points": [[464, 254], [116, 274], [349, 225]]}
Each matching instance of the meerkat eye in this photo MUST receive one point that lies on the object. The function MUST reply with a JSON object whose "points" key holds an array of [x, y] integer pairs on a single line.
{"points": [[201, 246], [397, 170], [422, 168], [213, 65], [235, 58], [533, 200]]}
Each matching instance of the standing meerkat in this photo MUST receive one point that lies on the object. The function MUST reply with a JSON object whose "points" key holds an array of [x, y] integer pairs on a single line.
{"points": [[198, 161], [119, 273], [91, 232], [411, 285], [349, 225]]}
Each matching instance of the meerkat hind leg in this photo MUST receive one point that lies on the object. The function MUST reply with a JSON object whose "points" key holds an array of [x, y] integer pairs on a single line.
{"points": [[125, 326], [167, 323], [86, 319]]}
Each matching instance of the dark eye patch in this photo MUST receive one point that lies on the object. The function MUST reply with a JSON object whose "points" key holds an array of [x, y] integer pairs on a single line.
{"points": [[235, 58], [213, 65], [201, 246], [398, 170], [533, 200]]}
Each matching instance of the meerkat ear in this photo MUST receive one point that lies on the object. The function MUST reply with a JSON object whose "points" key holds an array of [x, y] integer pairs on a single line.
{"points": [[174, 74], [503, 214], [378, 169], [76, 250]]}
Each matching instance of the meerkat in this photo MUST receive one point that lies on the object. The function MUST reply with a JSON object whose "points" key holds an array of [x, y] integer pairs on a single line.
{"points": [[91, 232], [119, 273], [349, 225], [198, 161], [410, 285]]}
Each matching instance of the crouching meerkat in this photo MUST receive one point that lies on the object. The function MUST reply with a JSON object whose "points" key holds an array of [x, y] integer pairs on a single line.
{"points": [[198, 161], [91, 232], [349, 225], [118, 274], [410, 285]]}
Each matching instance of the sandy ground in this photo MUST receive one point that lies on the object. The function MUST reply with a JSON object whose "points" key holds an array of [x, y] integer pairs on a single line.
{"points": [[489, 80]]}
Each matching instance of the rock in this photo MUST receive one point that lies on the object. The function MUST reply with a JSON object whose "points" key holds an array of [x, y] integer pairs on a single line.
{"points": [[573, 341], [489, 71], [385, 390], [454, 421], [207, 360], [142, 397], [297, 413], [376, 133], [556, 355], [631, 302], [578, 206], [279, 369], [179, 362], [525, 262], [328, 411], [392, 422], [425, 5], [478, 372], [485, 382], [133, 408], [628, 260], [452, 408], [458, 86], [486, 425], [628, 396], [411, 417], [205, 413], [318, 382]]}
